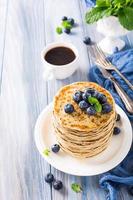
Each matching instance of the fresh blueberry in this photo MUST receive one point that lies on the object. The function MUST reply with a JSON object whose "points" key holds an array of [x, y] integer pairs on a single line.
{"points": [[64, 18], [67, 30], [116, 49], [55, 148], [89, 91], [85, 96], [71, 21], [130, 190], [91, 111], [106, 108], [83, 105], [57, 185], [118, 117], [102, 98], [77, 97], [69, 108], [116, 131], [49, 178], [87, 40]]}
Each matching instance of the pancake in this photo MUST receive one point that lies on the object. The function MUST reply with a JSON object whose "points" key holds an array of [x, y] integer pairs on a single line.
{"points": [[79, 134]]}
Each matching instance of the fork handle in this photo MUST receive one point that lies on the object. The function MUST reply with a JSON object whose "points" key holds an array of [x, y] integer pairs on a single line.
{"points": [[123, 77], [124, 97]]}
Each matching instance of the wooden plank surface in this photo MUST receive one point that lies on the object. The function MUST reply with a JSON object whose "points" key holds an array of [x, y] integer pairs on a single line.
{"points": [[27, 26]]}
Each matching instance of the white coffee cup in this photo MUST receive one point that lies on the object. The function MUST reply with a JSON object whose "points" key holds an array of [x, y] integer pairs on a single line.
{"points": [[52, 71]]}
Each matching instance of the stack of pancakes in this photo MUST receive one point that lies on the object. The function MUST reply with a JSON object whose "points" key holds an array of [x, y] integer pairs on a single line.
{"points": [[77, 133]]}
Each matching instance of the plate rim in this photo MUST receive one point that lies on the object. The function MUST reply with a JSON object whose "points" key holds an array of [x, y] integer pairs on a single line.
{"points": [[50, 161]]}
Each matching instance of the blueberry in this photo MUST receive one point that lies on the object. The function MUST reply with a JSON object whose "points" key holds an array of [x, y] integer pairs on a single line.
{"points": [[67, 30], [83, 105], [118, 117], [77, 97], [49, 178], [91, 111], [57, 185], [102, 98], [116, 131], [106, 108], [71, 21], [116, 49], [89, 91], [69, 108], [87, 40], [64, 18], [85, 96], [130, 190], [55, 148]]}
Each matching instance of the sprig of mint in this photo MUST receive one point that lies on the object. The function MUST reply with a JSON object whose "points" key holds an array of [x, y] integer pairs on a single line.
{"points": [[94, 101], [76, 187], [46, 152], [123, 9], [66, 24]]}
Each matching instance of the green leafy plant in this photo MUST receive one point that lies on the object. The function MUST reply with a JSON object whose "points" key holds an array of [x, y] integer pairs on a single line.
{"points": [[123, 9], [76, 187]]}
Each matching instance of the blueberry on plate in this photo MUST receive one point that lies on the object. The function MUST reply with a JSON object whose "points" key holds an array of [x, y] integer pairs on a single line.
{"points": [[91, 110], [102, 98], [130, 190], [77, 97], [87, 40], [71, 21], [106, 108], [116, 131], [55, 148], [83, 105], [49, 178], [57, 185], [67, 30], [68, 108], [64, 18], [118, 117]]}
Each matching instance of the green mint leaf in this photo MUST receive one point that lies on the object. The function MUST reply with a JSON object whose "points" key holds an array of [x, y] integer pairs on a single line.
{"points": [[103, 3], [46, 152], [66, 25], [125, 16], [97, 13], [93, 100], [98, 107], [76, 187], [59, 30]]}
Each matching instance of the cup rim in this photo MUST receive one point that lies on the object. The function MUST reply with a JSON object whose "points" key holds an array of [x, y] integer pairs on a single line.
{"points": [[58, 44]]}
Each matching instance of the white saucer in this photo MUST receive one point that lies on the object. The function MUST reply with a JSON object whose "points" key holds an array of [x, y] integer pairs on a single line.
{"points": [[108, 159]]}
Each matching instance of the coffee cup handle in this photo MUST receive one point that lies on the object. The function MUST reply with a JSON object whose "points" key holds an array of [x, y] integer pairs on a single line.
{"points": [[48, 74]]}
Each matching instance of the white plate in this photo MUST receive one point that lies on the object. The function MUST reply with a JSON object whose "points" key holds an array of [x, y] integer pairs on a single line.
{"points": [[108, 159]]}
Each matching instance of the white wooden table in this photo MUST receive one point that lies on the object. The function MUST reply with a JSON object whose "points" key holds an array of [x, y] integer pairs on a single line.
{"points": [[26, 26]]}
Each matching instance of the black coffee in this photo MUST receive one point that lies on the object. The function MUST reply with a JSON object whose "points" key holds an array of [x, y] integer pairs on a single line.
{"points": [[60, 56]]}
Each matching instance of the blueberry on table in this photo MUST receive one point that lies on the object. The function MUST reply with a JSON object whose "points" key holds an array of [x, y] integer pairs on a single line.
{"points": [[118, 117], [71, 21], [102, 98], [116, 131], [64, 18], [57, 185], [77, 97], [67, 30], [69, 108], [91, 111], [49, 178], [55, 148], [106, 108], [83, 105], [87, 40]]}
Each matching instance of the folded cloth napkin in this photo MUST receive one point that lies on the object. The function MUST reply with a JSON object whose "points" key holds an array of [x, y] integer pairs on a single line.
{"points": [[122, 175]]}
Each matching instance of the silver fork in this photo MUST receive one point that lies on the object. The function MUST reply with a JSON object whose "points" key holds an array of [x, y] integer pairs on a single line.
{"points": [[102, 61]]}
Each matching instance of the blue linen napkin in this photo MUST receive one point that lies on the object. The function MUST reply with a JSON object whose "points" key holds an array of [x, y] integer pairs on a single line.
{"points": [[122, 175]]}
